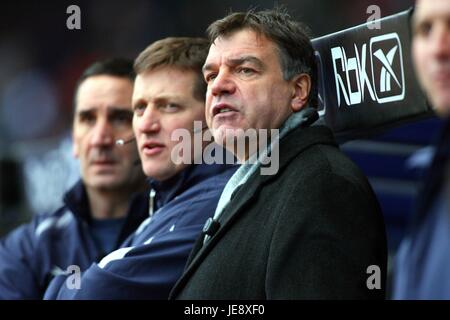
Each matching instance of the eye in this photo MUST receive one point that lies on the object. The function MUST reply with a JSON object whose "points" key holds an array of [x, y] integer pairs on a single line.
{"points": [[210, 76], [87, 117], [122, 117], [139, 108], [245, 71], [171, 107], [423, 29]]}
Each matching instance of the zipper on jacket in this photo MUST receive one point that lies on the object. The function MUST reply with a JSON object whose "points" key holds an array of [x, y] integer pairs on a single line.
{"points": [[151, 202]]}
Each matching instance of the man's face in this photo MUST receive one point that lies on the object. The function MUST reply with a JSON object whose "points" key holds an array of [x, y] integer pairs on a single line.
{"points": [[103, 114], [431, 51], [163, 102], [246, 88]]}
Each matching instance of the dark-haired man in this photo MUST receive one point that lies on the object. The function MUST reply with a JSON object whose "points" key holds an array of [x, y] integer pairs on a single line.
{"points": [[102, 209]]}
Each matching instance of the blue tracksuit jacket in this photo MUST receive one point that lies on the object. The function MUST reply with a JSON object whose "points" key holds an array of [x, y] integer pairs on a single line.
{"points": [[34, 253], [153, 258]]}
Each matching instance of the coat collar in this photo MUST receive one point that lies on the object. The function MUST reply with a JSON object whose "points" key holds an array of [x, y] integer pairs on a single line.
{"points": [[293, 144]]}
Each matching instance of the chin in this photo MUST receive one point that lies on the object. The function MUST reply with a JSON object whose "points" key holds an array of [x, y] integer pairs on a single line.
{"points": [[222, 134], [105, 185], [156, 173]]}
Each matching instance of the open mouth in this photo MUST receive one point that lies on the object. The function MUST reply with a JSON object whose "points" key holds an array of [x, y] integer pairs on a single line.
{"points": [[221, 109], [152, 148]]}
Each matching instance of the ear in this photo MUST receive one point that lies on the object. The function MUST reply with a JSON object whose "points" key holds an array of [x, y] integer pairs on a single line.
{"points": [[301, 88]]}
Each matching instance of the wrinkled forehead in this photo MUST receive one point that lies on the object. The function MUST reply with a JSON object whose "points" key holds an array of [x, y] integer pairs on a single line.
{"points": [[242, 42], [104, 90], [165, 82]]}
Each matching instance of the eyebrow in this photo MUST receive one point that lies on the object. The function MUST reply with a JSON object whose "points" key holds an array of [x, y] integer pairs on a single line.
{"points": [[80, 114], [163, 98], [207, 67], [113, 110], [236, 62], [171, 96]]}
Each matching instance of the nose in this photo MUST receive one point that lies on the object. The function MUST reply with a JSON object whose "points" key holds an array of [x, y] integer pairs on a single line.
{"points": [[222, 84], [149, 122], [102, 135]]}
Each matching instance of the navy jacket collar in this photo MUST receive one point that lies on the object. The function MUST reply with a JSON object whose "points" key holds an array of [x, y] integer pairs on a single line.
{"points": [[77, 201], [168, 189]]}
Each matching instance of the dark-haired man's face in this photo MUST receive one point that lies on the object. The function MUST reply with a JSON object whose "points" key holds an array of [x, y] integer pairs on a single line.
{"points": [[246, 88], [103, 114]]}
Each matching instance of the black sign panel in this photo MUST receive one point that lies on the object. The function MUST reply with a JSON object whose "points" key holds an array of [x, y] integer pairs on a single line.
{"points": [[366, 78]]}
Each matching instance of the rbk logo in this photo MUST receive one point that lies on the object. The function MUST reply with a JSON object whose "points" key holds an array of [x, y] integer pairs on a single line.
{"points": [[388, 67], [385, 77], [386, 83]]}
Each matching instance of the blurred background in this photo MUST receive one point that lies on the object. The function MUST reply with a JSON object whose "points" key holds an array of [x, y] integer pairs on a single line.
{"points": [[41, 59]]}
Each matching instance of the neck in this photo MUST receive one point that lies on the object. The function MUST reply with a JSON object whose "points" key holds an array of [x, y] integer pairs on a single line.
{"points": [[251, 147], [108, 204]]}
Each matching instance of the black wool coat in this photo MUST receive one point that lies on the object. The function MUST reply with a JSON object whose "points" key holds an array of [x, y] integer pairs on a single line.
{"points": [[314, 230]]}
